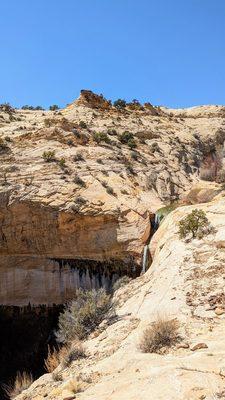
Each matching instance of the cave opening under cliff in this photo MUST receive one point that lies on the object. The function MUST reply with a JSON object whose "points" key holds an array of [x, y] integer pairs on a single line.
{"points": [[28, 331], [26, 334]]}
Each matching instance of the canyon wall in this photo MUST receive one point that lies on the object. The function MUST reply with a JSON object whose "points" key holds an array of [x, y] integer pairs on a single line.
{"points": [[79, 186]]}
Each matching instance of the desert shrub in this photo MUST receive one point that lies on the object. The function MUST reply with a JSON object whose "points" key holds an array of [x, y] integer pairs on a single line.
{"points": [[110, 190], [79, 181], [26, 107], [6, 107], [57, 376], [129, 168], [75, 352], [124, 280], [131, 143], [62, 162], [22, 382], [70, 142], [3, 145], [75, 386], [54, 107], [124, 191], [162, 334], [134, 155], [75, 132], [195, 224], [32, 108], [54, 358], [104, 184], [49, 122], [83, 124], [83, 315], [120, 104], [125, 137], [49, 156], [78, 157], [80, 200], [101, 137], [64, 355]]}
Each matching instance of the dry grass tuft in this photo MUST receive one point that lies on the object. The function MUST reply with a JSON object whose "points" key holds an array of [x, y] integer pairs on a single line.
{"points": [[22, 382], [75, 352], [163, 333], [54, 358], [65, 356]]}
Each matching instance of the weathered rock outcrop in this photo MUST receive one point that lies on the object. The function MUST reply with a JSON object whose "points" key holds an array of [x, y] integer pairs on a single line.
{"points": [[72, 188], [185, 282]]}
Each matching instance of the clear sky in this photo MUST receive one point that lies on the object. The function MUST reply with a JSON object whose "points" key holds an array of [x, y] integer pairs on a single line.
{"points": [[169, 52]]}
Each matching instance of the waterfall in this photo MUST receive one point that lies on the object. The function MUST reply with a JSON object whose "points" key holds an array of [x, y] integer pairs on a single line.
{"points": [[145, 259], [156, 221]]}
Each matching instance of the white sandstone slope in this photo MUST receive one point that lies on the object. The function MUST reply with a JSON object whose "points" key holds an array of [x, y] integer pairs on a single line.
{"points": [[186, 281]]}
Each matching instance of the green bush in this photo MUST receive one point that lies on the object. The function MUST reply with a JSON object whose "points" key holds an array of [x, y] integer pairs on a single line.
{"points": [[83, 124], [62, 162], [49, 156], [54, 107], [78, 157], [79, 181], [195, 224], [83, 315], [126, 136], [120, 104], [101, 137], [3, 144], [131, 143]]}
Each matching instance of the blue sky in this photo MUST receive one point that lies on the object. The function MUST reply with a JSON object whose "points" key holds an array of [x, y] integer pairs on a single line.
{"points": [[169, 52]]}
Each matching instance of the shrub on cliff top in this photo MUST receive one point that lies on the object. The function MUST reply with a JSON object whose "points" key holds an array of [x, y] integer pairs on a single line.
{"points": [[83, 315], [54, 107], [120, 104], [195, 224]]}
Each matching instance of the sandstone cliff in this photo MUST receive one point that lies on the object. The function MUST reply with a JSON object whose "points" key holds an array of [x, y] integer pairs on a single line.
{"points": [[91, 198], [185, 282]]}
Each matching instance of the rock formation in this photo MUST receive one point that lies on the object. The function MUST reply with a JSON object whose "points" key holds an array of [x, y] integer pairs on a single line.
{"points": [[82, 184], [185, 282]]}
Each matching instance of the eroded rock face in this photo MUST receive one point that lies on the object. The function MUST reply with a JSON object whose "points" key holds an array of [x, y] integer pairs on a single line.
{"points": [[186, 283], [93, 199], [34, 236]]}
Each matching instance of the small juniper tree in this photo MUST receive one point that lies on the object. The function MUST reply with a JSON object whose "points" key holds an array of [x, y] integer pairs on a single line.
{"points": [[194, 224], [54, 107], [120, 104]]}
